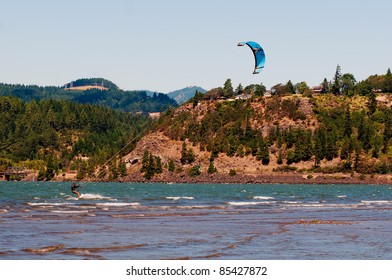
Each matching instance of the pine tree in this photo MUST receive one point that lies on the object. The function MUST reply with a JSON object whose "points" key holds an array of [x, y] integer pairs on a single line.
{"points": [[172, 166], [149, 173], [239, 89], [372, 103], [320, 140], [184, 154], [325, 86], [347, 125], [158, 165], [190, 156], [280, 158], [211, 168], [331, 147], [337, 81], [290, 87], [122, 168], [145, 161], [228, 91]]}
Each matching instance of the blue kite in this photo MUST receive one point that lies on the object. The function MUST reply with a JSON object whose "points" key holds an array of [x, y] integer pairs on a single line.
{"points": [[259, 54]]}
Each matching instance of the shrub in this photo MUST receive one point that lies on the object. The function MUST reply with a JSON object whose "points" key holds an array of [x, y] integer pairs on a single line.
{"points": [[194, 171]]}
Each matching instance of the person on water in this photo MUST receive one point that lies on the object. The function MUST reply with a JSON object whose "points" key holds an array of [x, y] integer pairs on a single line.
{"points": [[73, 189]]}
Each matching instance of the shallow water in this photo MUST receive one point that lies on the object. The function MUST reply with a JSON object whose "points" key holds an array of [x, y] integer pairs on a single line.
{"points": [[195, 221]]}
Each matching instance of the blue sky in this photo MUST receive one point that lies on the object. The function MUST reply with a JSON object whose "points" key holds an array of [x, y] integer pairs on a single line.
{"points": [[167, 45]]}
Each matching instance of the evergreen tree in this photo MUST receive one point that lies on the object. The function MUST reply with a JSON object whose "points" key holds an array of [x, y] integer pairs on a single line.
{"points": [[184, 154], [290, 157], [150, 169], [239, 89], [228, 91], [325, 86], [331, 147], [158, 165], [290, 87], [347, 125], [372, 103], [145, 161], [211, 168], [122, 168], [171, 166], [337, 81], [113, 170], [263, 152], [190, 156], [280, 158], [320, 141]]}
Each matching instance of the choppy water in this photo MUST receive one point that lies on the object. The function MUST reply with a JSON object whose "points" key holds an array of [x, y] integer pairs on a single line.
{"points": [[195, 221]]}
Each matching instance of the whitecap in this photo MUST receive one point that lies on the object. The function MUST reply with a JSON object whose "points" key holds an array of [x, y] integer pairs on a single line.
{"points": [[263, 197], [376, 201], [245, 203], [179, 197], [94, 196], [48, 203], [342, 196], [118, 204]]}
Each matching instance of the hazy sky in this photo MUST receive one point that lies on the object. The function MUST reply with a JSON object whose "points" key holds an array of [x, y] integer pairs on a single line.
{"points": [[169, 44]]}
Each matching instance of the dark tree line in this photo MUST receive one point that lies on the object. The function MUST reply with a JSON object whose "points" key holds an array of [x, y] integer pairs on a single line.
{"points": [[54, 135], [128, 101]]}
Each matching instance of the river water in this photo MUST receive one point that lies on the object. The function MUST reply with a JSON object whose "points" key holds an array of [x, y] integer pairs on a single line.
{"points": [[42, 220]]}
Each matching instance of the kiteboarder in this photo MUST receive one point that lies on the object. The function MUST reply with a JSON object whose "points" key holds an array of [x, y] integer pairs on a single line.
{"points": [[73, 189]]}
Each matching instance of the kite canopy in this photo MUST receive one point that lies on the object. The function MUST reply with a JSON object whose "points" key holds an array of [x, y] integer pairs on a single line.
{"points": [[258, 52]]}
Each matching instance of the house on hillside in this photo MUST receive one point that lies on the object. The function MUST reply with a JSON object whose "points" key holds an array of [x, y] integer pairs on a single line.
{"points": [[243, 96], [317, 89], [214, 94]]}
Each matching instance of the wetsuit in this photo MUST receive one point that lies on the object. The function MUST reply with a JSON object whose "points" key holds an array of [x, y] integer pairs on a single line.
{"points": [[73, 189]]}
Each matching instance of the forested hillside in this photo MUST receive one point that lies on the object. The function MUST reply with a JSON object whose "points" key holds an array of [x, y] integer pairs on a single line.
{"points": [[113, 97], [341, 126], [55, 136]]}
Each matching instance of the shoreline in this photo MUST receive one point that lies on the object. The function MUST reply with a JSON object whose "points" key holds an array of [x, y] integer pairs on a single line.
{"points": [[221, 178], [280, 178]]}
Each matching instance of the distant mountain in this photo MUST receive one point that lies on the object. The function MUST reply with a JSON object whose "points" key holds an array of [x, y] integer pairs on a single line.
{"points": [[93, 91], [91, 82], [183, 95]]}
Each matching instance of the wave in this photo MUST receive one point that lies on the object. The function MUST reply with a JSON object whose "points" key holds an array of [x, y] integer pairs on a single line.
{"points": [[50, 204], [179, 197], [376, 201], [263, 197], [44, 250], [70, 211], [342, 196], [118, 204], [88, 196], [245, 203], [290, 202]]}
